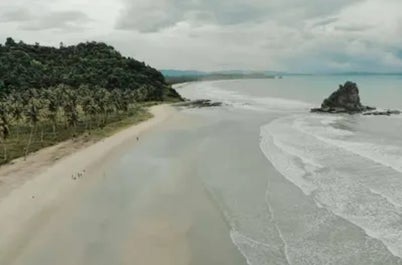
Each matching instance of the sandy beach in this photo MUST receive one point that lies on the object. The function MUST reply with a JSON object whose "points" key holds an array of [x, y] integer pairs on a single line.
{"points": [[78, 152], [30, 189], [49, 207]]}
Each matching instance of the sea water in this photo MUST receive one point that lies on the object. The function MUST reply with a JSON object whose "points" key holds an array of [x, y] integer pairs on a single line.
{"points": [[330, 188]]}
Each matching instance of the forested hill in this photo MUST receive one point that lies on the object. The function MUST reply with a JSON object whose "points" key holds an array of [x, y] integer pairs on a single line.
{"points": [[24, 66]]}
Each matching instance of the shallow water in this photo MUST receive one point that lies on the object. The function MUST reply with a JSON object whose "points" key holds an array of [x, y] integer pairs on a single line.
{"points": [[302, 188]]}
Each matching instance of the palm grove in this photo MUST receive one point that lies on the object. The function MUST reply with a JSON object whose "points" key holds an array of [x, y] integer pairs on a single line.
{"points": [[49, 94]]}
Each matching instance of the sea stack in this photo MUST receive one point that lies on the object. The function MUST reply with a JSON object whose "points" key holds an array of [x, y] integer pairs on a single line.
{"points": [[345, 100]]}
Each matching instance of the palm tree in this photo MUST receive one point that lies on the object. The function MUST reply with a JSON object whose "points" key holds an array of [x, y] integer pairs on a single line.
{"points": [[117, 99], [102, 99], [16, 111], [110, 109], [53, 106], [90, 109], [4, 127], [33, 116], [70, 108]]}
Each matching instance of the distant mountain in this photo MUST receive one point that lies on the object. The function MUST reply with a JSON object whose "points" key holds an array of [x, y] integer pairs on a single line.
{"points": [[193, 74], [180, 73], [181, 76], [364, 73], [176, 73]]}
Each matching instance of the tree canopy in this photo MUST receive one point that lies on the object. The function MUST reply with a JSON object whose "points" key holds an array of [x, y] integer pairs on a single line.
{"points": [[92, 64], [48, 94]]}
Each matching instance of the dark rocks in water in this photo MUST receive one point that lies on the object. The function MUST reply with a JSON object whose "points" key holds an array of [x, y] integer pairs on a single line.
{"points": [[383, 113], [200, 103], [345, 100]]}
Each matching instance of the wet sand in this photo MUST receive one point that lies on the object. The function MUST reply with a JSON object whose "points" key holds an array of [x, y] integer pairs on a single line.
{"points": [[131, 202]]}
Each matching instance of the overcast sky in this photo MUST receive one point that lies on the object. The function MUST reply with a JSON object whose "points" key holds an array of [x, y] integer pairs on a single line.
{"points": [[286, 35]]}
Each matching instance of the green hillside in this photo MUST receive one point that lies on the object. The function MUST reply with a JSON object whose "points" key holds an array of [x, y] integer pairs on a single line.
{"points": [[24, 66], [48, 95]]}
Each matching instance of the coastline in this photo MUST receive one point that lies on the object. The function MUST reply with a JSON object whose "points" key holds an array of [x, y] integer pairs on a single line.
{"points": [[30, 188], [171, 218], [150, 204], [19, 171]]}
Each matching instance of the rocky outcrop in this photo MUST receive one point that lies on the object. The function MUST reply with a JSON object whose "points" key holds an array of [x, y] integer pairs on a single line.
{"points": [[200, 103], [345, 100], [383, 112]]}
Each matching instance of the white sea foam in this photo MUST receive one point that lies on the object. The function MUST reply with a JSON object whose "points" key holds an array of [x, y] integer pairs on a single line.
{"points": [[237, 100], [390, 156], [287, 165], [360, 182], [256, 252]]}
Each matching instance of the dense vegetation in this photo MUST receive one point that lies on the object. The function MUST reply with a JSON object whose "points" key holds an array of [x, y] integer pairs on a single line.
{"points": [[24, 66], [49, 94]]}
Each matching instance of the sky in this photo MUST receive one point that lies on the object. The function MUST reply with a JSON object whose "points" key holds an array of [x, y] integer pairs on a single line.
{"points": [[304, 36]]}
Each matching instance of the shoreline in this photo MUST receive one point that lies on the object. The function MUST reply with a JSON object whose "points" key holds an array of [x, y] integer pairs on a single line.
{"points": [[34, 187], [40, 161], [168, 218]]}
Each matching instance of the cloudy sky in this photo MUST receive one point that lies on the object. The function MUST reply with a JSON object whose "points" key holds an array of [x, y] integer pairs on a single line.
{"points": [[286, 35]]}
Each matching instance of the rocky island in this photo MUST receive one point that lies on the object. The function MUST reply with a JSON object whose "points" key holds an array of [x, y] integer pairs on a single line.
{"points": [[347, 100]]}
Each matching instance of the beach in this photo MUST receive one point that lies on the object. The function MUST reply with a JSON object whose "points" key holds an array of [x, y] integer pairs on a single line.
{"points": [[76, 210]]}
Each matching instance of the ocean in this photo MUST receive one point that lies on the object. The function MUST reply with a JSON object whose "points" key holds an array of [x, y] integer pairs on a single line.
{"points": [[303, 188]]}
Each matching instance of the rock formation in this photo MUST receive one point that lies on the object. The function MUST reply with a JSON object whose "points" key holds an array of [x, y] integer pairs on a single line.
{"points": [[199, 103], [383, 112], [345, 100]]}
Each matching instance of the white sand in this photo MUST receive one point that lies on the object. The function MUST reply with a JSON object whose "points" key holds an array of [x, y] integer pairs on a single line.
{"points": [[26, 187]]}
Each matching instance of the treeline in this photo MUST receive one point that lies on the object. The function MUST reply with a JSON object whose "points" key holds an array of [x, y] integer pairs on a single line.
{"points": [[24, 66], [49, 94]]}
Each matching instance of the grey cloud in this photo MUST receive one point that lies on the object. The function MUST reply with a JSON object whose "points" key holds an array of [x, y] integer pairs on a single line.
{"points": [[16, 15], [329, 57], [353, 28], [149, 21], [152, 16], [293, 35], [63, 20], [42, 20], [325, 21], [323, 61]]}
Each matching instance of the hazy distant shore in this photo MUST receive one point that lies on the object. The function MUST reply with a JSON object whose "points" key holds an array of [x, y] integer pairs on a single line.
{"points": [[174, 80]]}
